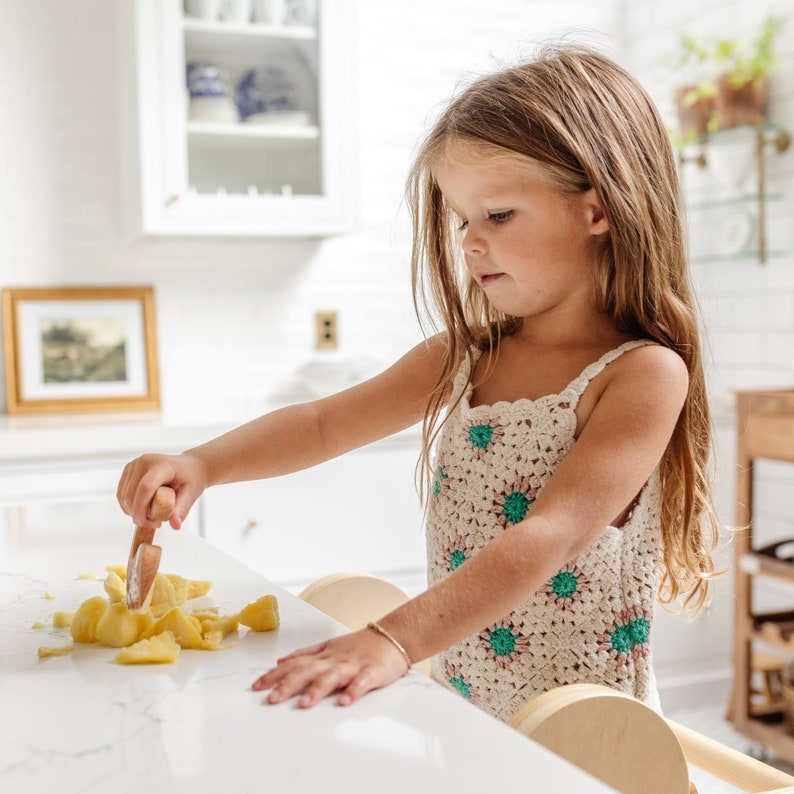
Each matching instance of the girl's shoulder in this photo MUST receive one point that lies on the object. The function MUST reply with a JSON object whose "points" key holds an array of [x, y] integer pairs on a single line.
{"points": [[650, 361], [645, 372], [638, 358]]}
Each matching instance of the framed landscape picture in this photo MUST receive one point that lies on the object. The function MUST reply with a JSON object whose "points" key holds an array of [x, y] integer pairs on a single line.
{"points": [[80, 349]]}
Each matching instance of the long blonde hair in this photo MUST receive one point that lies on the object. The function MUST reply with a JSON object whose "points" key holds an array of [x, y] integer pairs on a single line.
{"points": [[589, 124]]}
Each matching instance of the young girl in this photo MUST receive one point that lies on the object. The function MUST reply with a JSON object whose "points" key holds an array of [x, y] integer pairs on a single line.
{"points": [[563, 403]]}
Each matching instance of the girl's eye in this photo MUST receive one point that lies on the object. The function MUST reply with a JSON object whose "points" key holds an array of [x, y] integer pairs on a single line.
{"points": [[463, 225], [501, 217]]}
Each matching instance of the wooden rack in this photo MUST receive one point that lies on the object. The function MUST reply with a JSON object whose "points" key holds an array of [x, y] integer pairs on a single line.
{"points": [[765, 425]]}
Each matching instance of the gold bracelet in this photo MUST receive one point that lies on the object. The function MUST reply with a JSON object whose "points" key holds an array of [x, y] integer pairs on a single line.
{"points": [[378, 629]]}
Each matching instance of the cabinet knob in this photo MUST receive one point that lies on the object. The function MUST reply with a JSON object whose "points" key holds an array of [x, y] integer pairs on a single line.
{"points": [[250, 526]]}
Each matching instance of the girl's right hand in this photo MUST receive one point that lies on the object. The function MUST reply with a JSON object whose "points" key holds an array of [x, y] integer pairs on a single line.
{"points": [[144, 475]]}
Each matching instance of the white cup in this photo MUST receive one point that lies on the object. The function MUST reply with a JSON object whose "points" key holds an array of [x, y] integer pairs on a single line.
{"points": [[269, 12], [236, 11], [305, 12], [203, 9]]}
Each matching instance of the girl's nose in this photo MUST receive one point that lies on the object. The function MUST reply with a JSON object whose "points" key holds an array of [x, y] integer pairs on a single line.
{"points": [[473, 243]]}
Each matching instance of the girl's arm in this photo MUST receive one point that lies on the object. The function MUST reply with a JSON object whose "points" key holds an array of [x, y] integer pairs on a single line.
{"points": [[288, 439], [618, 449]]}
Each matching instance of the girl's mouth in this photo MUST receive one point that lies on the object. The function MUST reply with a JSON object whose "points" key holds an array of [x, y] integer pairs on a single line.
{"points": [[489, 278]]}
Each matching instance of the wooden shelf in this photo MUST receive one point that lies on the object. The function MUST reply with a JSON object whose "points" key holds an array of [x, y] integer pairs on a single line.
{"points": [[765, 425], [776, 629], [755, 564]]}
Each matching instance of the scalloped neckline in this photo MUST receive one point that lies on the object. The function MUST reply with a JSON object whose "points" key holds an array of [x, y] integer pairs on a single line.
{"points": [[573, 402]]}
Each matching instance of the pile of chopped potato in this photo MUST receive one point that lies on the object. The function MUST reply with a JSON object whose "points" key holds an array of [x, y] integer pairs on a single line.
{"points": [[157, 634]]}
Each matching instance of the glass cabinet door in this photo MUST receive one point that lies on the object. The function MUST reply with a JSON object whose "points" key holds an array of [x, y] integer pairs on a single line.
{"points": [[241, 125]]}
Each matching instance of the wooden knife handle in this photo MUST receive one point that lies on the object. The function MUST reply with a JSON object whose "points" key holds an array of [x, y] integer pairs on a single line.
{"points": [[162, 503]]}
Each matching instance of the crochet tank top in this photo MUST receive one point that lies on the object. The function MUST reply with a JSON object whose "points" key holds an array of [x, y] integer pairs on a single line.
{"points": [[591, 621]]}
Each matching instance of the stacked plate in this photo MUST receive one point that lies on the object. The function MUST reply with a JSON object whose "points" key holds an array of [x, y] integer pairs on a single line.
{"points": [[269, 95]]}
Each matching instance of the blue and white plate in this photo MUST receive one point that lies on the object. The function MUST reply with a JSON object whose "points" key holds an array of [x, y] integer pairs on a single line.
{"points": [[273, 94]]}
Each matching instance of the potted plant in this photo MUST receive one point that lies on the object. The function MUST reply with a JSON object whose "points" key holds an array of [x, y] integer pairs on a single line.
{"points": [[725, 82], [743, 76], [694, 97]]}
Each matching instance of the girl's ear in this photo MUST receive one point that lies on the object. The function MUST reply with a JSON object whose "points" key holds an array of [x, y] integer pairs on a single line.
{"points": [[596, 217]]}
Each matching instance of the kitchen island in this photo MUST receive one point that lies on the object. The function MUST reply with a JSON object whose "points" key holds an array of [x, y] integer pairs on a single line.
{"points": [[80, 723]]}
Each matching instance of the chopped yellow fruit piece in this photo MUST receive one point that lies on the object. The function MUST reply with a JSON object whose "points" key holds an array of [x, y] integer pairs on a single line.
{"points": [[115, 588], [49, 596], [197, 587], [210, 613], [260, 615], [163, 593], [186, 630], [62, 651], [160, 649], [225, 625], [120, 627], [84, 622], [86, 575], [211, 641], [62, 620], [37, 625], [180, 587], [119, 570]]}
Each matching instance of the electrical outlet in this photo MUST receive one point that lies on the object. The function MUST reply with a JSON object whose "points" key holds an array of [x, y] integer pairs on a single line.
{"points": [[326, 327]]}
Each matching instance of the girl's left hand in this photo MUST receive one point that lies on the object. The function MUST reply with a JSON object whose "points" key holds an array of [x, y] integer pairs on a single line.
{"points": [[355, 663]]}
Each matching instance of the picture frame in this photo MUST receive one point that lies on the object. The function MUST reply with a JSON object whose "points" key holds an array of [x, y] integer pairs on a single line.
{"points": [[80, 349]]}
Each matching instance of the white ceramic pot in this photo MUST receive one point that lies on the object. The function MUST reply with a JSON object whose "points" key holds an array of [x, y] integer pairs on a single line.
{"points": [[207, 10], [269, 12]]}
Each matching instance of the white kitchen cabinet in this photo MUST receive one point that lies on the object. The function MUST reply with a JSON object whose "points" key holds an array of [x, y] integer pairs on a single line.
{"points": [[188, 171], [58, 475], [358, 512]]}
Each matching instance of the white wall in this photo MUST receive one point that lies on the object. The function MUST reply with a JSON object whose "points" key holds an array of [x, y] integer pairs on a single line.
{"points": [[235, 317]]}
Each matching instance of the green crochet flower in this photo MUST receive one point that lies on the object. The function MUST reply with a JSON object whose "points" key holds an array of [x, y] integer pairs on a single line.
{"points": [[512, 505], [460, 684], [481, 437], [458, 551], [563, 584], [456, 558], [503, 643], [515, 506], [438, 480], [501, 640], [628, 635], [566, 587]]}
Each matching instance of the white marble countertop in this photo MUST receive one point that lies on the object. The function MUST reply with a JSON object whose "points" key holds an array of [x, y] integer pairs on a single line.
{"points": [[79, 723]]}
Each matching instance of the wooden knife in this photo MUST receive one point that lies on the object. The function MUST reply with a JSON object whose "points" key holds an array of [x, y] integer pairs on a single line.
{"points": [[144, 558]]}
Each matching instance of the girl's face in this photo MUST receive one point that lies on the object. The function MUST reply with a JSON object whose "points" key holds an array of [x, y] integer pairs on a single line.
{"points": [[528, 246]]}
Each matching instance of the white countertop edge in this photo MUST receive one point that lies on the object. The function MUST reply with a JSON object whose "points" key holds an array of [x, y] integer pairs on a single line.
{"points": [[28, 439]]}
